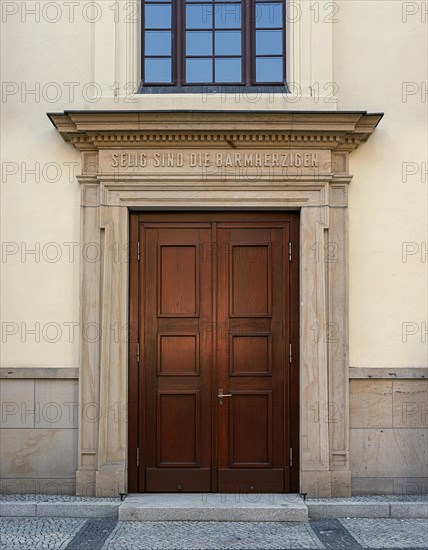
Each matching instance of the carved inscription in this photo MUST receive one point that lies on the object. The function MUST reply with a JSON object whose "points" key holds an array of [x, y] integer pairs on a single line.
{"points": [[204, 159]]}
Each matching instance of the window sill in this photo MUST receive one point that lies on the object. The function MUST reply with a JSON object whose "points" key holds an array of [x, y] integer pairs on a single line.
{"points": [[214, 89]]}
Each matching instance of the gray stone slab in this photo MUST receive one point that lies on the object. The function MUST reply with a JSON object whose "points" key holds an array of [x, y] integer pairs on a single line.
{"points": [[78, 509], [409, 510], [17, 509], [350, 509], [213, 507]]}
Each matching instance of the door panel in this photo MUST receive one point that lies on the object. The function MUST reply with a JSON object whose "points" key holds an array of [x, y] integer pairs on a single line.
{"points": [[250, 429], [177, 357], [253, 309], [214, 297]]}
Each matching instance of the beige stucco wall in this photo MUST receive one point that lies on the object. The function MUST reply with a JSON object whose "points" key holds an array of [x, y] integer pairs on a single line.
{"points": [[372, 58], [375, 62]]}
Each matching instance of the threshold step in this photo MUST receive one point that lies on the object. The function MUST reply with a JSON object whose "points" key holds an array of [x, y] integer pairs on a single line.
{"points": [[213, 507]]}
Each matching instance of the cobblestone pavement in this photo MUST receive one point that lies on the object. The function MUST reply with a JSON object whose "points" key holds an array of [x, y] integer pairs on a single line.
{"points": [[77, 534]]}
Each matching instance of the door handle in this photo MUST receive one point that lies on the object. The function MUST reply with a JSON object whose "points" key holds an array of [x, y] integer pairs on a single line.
{"points": [[221, 395]]}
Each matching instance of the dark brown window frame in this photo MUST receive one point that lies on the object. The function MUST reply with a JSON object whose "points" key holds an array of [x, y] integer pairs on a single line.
{"points": [[248, 55]]}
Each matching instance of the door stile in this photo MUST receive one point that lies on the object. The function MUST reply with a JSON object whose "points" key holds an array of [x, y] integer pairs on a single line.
{"points": [[142, 355], [134, 424], [214, 343], [294, 301], [286, 265]]}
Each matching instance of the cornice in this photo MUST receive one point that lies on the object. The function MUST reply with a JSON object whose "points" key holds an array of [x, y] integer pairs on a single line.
{"points": [[93, 130]]}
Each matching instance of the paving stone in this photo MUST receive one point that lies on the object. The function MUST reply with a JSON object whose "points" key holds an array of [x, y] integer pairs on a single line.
{"points": [[18, 509], [37, 497], [409, 510], [211, 536], [388, 533], [334, 535], [78, 509], [372, 498], [346, 509], [108, 534], [37, 533], [92, 535]]}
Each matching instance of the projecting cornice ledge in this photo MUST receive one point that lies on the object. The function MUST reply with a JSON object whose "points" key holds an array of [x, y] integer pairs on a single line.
{"points": [[336, 130]]}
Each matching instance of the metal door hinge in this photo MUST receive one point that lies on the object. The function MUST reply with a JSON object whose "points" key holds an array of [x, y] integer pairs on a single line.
{"points": [[138, 456], [291, 457], [138, 352], [289, 251], [138, 251], [291, 356]]}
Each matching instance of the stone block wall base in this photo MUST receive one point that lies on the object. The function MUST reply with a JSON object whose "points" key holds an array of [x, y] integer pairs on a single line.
{"points": [[110, 483], [85, 483], [326, 484]]}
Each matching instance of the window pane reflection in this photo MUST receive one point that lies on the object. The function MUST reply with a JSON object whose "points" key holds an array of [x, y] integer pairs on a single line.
{"points": [[268, 42], [269, 69], [199, 16], [228, 43], [199, 70], [228, 16], [199, 43], [157, 70], [268, 16], [157, 17], [228, 70], [157, 43]]}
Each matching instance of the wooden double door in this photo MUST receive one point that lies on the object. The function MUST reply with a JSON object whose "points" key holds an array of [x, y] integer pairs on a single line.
{"points": [[213, 371]]}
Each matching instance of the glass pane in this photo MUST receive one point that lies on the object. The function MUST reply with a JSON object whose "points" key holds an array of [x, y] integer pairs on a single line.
{"points": [[228, 43], [157, 43], [199, 16], [157, 17], [269, 16], [228, 16], [157, 70], [268, 42], [228, 70], [199, 70], [269, 69], [199, 43]]}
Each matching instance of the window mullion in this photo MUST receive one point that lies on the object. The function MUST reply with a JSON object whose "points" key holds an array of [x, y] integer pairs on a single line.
{"points": [[178, 29], [247, 52]]}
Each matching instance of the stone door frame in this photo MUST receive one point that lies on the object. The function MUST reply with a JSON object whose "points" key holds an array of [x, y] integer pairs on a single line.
{"points": [[315, 182]]}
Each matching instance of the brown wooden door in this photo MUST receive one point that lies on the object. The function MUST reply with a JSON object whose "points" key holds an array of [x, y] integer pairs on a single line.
{"points": [[213, 298], [252, 362]]}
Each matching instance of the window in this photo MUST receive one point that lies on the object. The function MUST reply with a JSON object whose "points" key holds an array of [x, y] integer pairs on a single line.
{"points": [[213, 42]]}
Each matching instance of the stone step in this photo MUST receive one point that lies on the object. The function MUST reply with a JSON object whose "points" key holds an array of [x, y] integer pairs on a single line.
{"points": [[213, 507]]}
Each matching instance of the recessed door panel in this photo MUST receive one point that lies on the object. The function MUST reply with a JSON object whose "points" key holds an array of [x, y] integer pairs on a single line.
{"points": [[178, 282], [250, 354], [250, 429], [250, 280], [178, 428], [178, 354]]}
